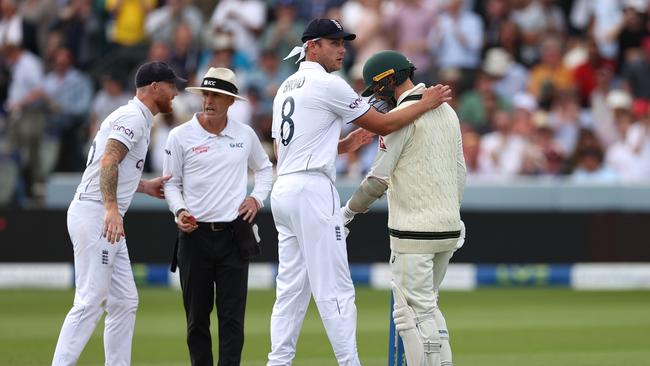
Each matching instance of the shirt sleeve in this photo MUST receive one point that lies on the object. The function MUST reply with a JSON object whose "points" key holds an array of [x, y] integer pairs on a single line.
{"points": [[173, 165], [127, 130], [343, 101], [259, 163], [389, 152]]}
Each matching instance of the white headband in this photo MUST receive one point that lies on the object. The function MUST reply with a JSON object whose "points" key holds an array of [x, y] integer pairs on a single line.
{"points": [[300, 50]]}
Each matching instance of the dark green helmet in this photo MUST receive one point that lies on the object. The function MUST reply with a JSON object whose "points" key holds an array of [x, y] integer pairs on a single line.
{"points": [[381, 66]]}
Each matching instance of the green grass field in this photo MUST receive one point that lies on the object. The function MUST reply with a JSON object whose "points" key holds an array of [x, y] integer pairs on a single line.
{"points": [[489, 327]]}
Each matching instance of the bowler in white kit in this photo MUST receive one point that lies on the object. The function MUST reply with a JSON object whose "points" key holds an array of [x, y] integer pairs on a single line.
{"points": [[103, 277], [309, 110]]}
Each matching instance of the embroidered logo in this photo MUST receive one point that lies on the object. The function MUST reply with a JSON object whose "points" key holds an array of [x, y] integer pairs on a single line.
{"points": [[355, 104], [239, 145], [124, 130], [104, 256], [337, 231], [139, 164], [382, 144], [200, 149], [168, 152], [337, 24], [392, 260]]}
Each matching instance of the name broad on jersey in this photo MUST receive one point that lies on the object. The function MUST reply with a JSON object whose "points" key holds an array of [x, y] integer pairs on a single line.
{"points": [[293, 84]]}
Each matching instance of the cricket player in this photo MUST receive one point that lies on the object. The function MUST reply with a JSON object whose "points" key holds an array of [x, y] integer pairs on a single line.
{"points": [[309, 110], [423, 168], [103, 277]]}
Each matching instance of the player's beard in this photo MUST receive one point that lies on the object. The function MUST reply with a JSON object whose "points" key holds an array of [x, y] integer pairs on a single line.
{"points": [[165, 106]]}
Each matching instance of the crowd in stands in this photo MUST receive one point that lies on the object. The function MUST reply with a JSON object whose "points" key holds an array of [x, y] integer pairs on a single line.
{"points": [[543, 88]]}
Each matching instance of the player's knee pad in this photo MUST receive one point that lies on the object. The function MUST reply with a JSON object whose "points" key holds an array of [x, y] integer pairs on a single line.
{"points": [[419, 333], [441, 323], [445, 346]]}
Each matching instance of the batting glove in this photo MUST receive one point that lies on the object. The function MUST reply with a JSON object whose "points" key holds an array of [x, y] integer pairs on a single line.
{"points": [[347, 215]]}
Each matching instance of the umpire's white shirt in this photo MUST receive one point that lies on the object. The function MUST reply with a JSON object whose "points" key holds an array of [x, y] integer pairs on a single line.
{"points": [[308, 113], [210, 172], [130, 125]]}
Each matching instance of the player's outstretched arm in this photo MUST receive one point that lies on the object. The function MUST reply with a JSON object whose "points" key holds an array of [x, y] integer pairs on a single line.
{"points": [[153, 187], [354, 140], [114, 153], [384, 124]]}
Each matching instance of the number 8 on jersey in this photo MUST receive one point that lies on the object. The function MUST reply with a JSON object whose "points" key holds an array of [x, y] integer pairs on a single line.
{"points": [[287, 126]]}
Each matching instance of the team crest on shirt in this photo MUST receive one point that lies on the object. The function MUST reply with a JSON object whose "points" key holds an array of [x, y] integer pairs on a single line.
{"points": [[382, 144], [200, 149]]}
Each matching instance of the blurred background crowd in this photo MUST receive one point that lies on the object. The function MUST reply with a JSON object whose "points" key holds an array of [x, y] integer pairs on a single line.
{"points": [[543, 88]]}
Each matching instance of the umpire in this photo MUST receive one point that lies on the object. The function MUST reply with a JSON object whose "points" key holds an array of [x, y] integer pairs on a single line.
{"points": [[208, 158]]}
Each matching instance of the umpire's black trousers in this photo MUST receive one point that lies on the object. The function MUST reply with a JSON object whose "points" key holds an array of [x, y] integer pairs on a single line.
{"points": [[208, 259]]}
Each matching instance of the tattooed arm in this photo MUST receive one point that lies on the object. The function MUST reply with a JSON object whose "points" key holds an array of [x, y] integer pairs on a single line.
{"points": [[114, 153]]}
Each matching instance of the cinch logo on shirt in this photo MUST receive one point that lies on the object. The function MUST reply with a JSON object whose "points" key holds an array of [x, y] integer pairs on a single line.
{"points": [[124, 130], [200, 149], [237, 144], [355, 104]]}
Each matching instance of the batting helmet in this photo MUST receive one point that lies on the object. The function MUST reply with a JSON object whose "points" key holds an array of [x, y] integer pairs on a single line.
{"points": [[383, 66]]}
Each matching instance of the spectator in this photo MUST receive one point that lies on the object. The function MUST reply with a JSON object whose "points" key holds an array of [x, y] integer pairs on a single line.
{"points": [[501, 152], [631, 31], [366, 19], [603, 17], [184, 53], [245, 20], [128, 20], [410, 22], [26, 116], [478, 104], [68, 92], [509, 77], [566, 119], [266, 79], [471, 141], [82, 32], [15, 30], [110, 96], [536, 19], [590, 168], [636, 73], [585, 75], [550, 75], [40, 14], [161, 24], [457, 37], [496, 13], [282, 34]]}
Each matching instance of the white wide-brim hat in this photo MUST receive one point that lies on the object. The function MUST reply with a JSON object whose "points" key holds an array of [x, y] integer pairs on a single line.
{"points": [[218, 80]]}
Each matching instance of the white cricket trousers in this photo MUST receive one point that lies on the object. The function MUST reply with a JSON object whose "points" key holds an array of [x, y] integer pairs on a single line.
{"points": [[313, 261], [104, 283]]}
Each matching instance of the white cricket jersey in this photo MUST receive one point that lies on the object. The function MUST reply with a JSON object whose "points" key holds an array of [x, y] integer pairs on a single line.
{"points": [[210, 172], [308, 113], [130, 125]]}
